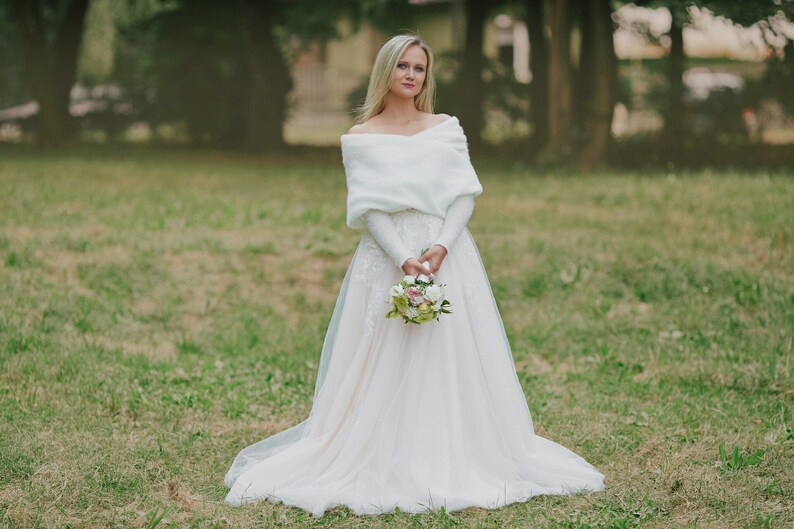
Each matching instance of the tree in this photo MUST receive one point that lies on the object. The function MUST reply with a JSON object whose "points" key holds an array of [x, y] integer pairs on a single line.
{"points": [[270, 80], [473, 95], [674, 129], [49, 36], [13, 89], [539, 64], [189, 59], [560, 81], [222, 68], [598, 69]]}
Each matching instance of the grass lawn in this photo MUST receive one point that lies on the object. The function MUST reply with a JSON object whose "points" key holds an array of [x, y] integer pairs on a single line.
{"points": [[162, 310]]}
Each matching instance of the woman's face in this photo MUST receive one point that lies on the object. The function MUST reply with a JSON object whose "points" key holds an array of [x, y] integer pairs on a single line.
{"points": [[409, 74]]}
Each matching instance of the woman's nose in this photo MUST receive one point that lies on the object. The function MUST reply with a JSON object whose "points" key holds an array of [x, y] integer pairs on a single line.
{"points": [[409, 73]]}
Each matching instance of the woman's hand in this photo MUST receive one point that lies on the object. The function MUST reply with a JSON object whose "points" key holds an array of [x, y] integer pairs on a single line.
{"points": [[412, 267], [435, 256]]}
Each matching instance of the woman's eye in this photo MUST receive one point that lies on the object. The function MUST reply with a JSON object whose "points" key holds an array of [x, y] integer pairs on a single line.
{"points": [[420, 69], [401, 66]]}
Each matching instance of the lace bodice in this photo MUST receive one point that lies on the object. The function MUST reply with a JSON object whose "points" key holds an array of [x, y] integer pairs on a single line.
{"points": [[397, 244], [394, 237]]}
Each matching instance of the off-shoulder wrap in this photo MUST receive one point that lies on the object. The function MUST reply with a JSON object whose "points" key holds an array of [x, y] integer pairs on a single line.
{"points": [[391, 172]]}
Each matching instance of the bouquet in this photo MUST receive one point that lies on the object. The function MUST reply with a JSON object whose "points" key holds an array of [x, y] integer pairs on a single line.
{"points": [[418, 300]]}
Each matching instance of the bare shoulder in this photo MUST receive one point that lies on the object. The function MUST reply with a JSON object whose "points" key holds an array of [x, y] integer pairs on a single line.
{"points": [[358, 129], [436, 119], [369, 126]]}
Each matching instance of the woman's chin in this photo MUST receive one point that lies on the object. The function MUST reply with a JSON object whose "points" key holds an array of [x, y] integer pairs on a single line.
{"points": [[404, 94]]}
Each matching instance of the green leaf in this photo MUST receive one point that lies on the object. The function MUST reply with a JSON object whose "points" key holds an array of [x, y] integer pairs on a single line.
{"points": [[755, 458], [735, 458]]}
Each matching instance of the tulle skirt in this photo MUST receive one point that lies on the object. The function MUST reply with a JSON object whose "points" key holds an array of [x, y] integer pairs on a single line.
{"points": [[414, 417]]}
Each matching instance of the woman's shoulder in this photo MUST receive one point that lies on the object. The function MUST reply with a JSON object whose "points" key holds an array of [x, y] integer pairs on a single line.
{"points": [[431, 120], [360, 128], [374, 124], [371, 125], [439, 118]]}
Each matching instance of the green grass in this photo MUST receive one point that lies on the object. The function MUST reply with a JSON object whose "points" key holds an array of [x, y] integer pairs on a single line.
{"points": [[161, 310]]}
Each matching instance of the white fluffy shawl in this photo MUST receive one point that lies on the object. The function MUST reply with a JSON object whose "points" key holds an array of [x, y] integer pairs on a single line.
{"points": [[392, 172]]}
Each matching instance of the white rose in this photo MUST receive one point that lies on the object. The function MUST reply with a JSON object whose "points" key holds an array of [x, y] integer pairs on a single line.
{"points": [[396, 291], [434, 293], [409, 280], [412, 312]]}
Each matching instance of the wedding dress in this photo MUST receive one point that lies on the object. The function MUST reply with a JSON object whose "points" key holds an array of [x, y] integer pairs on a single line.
{"points": [[414, 417]]}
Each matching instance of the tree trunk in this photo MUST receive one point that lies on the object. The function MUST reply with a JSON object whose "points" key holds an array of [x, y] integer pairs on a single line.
{"points": [[674, 126], [65, 54], [270, 77], [50, 71], [586, 69], [601, 78], [539, 65], [472, 92], [560, 98]]}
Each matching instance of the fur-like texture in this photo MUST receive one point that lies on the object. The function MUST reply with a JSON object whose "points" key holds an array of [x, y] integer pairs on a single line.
{"points": [[426, 171]]}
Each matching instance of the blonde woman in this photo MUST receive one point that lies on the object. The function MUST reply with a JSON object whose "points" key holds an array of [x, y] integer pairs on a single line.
{"points": [[413, 417]]}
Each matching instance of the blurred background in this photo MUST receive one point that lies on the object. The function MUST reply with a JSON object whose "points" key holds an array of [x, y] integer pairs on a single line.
{"points": [[585, 83]]}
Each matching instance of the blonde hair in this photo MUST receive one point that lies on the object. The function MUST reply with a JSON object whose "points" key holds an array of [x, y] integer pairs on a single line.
{"points": [[383, 71]]}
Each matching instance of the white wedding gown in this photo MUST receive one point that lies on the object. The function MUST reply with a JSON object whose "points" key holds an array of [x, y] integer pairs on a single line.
{"points": [[412, 416]]}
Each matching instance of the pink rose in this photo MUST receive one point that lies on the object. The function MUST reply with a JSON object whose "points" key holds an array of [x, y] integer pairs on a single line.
{"points": [[414, 295]]}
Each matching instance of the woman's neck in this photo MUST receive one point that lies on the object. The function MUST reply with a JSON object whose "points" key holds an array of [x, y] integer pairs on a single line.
{"points": [[400, 109]]}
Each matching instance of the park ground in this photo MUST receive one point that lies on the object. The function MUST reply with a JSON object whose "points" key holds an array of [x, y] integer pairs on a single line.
{"points": [[160, 310]]}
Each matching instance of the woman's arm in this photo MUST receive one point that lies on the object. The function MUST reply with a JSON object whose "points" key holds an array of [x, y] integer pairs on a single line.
{"points": [[382, 229], [458, 215]]}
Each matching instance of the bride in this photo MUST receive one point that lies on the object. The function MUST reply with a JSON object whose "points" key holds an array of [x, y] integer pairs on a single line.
{"points": [[414, 417]]}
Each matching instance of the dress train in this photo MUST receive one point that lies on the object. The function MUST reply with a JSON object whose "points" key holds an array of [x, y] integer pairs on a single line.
{"points": [[413, 417]]}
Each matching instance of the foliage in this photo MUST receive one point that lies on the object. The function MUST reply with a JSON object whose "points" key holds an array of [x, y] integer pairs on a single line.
{"points": [[740, 12], [737, 460], [193, 70], [777, 80], [190, 62], [504, 95], [12, 89], [748, 13], [97, 50], [312, 21]]}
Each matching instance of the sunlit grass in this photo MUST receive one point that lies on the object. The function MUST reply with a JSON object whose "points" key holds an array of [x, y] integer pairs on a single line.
{"points": [[162, 310]]}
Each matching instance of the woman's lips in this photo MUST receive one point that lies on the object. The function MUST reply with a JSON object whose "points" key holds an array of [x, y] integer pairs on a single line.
{"points": [[409, 85]]}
